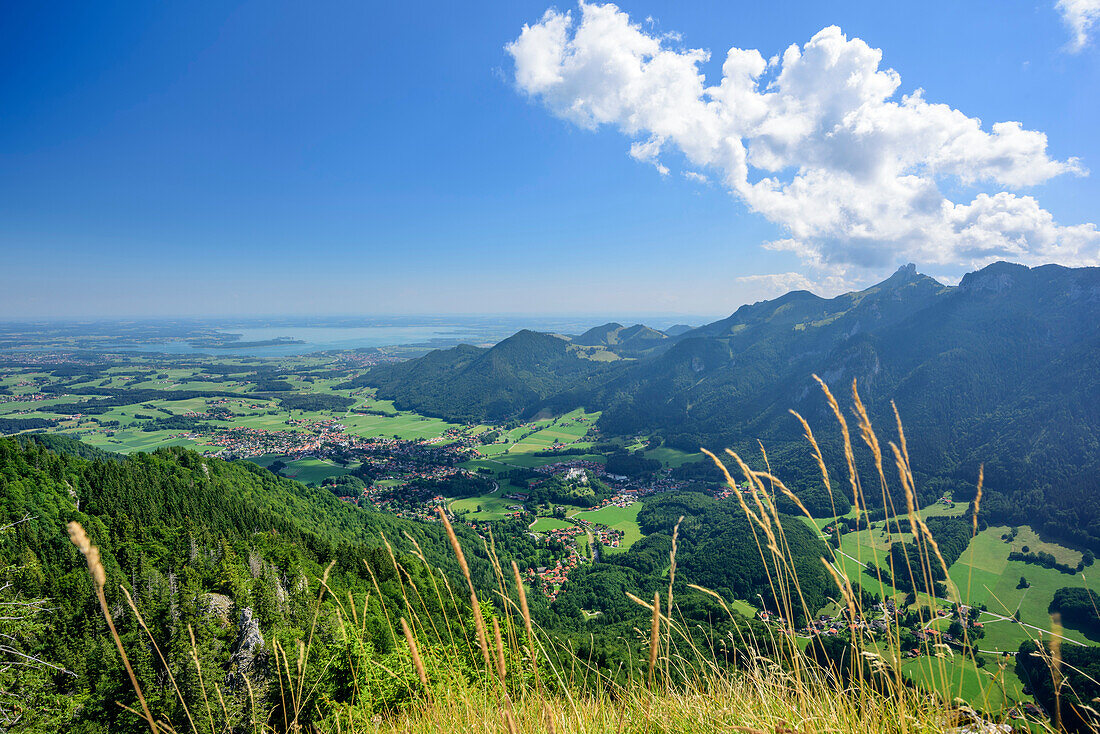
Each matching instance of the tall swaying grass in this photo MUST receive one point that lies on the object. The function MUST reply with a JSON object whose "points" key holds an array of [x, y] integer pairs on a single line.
{"points": [[526, 680]]}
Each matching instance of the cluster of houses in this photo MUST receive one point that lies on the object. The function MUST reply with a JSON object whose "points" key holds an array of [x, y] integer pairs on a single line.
{"points": [[609, 536], [623, 499], [564, 535], [243, 442], [582, 465], [328, 437], [405, 501], [550, 580], [29, 398], [727, 491], [46, 359]]}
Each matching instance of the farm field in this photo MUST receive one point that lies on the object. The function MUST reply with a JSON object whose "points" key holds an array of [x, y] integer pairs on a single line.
{"points": [[619, 518], [567, 429], [485, 507], [239, 396], [989, 687], [128, 441], [672, 457], [543, 524], [500, 462], [985, 575], [857, 549], [307, 470], [405, 425]]}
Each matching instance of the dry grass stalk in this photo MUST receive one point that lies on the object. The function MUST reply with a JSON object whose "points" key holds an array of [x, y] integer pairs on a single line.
{"points": [[1055, 664], [849, 456], [81, 540], [167, 668], [202, 685], [548, 713], [671, 579], [819, 457], [479, 619], [415, 651], [509, 721], [221, 700], [526, 617], [654, 634], [501, 665]]}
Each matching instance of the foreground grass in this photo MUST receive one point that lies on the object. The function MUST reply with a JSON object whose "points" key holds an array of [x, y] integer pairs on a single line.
{"points": [[748, 703]]}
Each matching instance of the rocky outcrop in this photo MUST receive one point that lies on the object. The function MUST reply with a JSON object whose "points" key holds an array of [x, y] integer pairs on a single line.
{"points": [[248, 655], [217, 605]]}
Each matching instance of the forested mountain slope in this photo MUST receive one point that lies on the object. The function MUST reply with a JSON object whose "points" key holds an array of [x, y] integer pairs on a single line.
{"points": [[195, 541], [511, 379], [1003, 369]]}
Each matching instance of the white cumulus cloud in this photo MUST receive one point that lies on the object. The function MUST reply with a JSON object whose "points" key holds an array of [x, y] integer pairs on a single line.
{"points": [[816, 139], [1080, 16]]}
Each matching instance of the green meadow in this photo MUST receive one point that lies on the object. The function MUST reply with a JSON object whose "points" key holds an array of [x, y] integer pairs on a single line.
{"points": [[485, 507], [544, 524], [619, 518], [672, 457], [985, 575], [308, 470], [991, 687], [128, 441]]}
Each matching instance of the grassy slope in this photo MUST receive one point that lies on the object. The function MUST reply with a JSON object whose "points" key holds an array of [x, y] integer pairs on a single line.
{"points": [[619, 518], [992, 579]]}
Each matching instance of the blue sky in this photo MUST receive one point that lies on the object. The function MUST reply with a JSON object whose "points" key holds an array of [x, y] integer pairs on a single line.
{"points": [[311, 158]]}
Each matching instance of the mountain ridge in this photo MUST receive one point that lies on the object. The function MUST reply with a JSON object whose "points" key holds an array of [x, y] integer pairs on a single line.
{"points": [[1001, 370]]}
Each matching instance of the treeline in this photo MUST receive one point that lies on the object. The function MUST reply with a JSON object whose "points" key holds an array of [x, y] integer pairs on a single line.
{"points": [[176, 423], [1079, 607], [273, 386], [1046, 560], [107, 398], [15, 425], [315, 402], [1077, 686], [631, 465], [913, 562], [596, 448], [376, 411]]}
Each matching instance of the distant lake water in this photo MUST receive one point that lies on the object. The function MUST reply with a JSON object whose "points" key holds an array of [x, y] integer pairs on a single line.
{"points": [[317, 339], [294, 336]]}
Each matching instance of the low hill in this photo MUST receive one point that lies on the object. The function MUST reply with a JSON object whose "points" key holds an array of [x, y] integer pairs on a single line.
{"points": [[623, 340], [599, 335], [466, 383]]}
